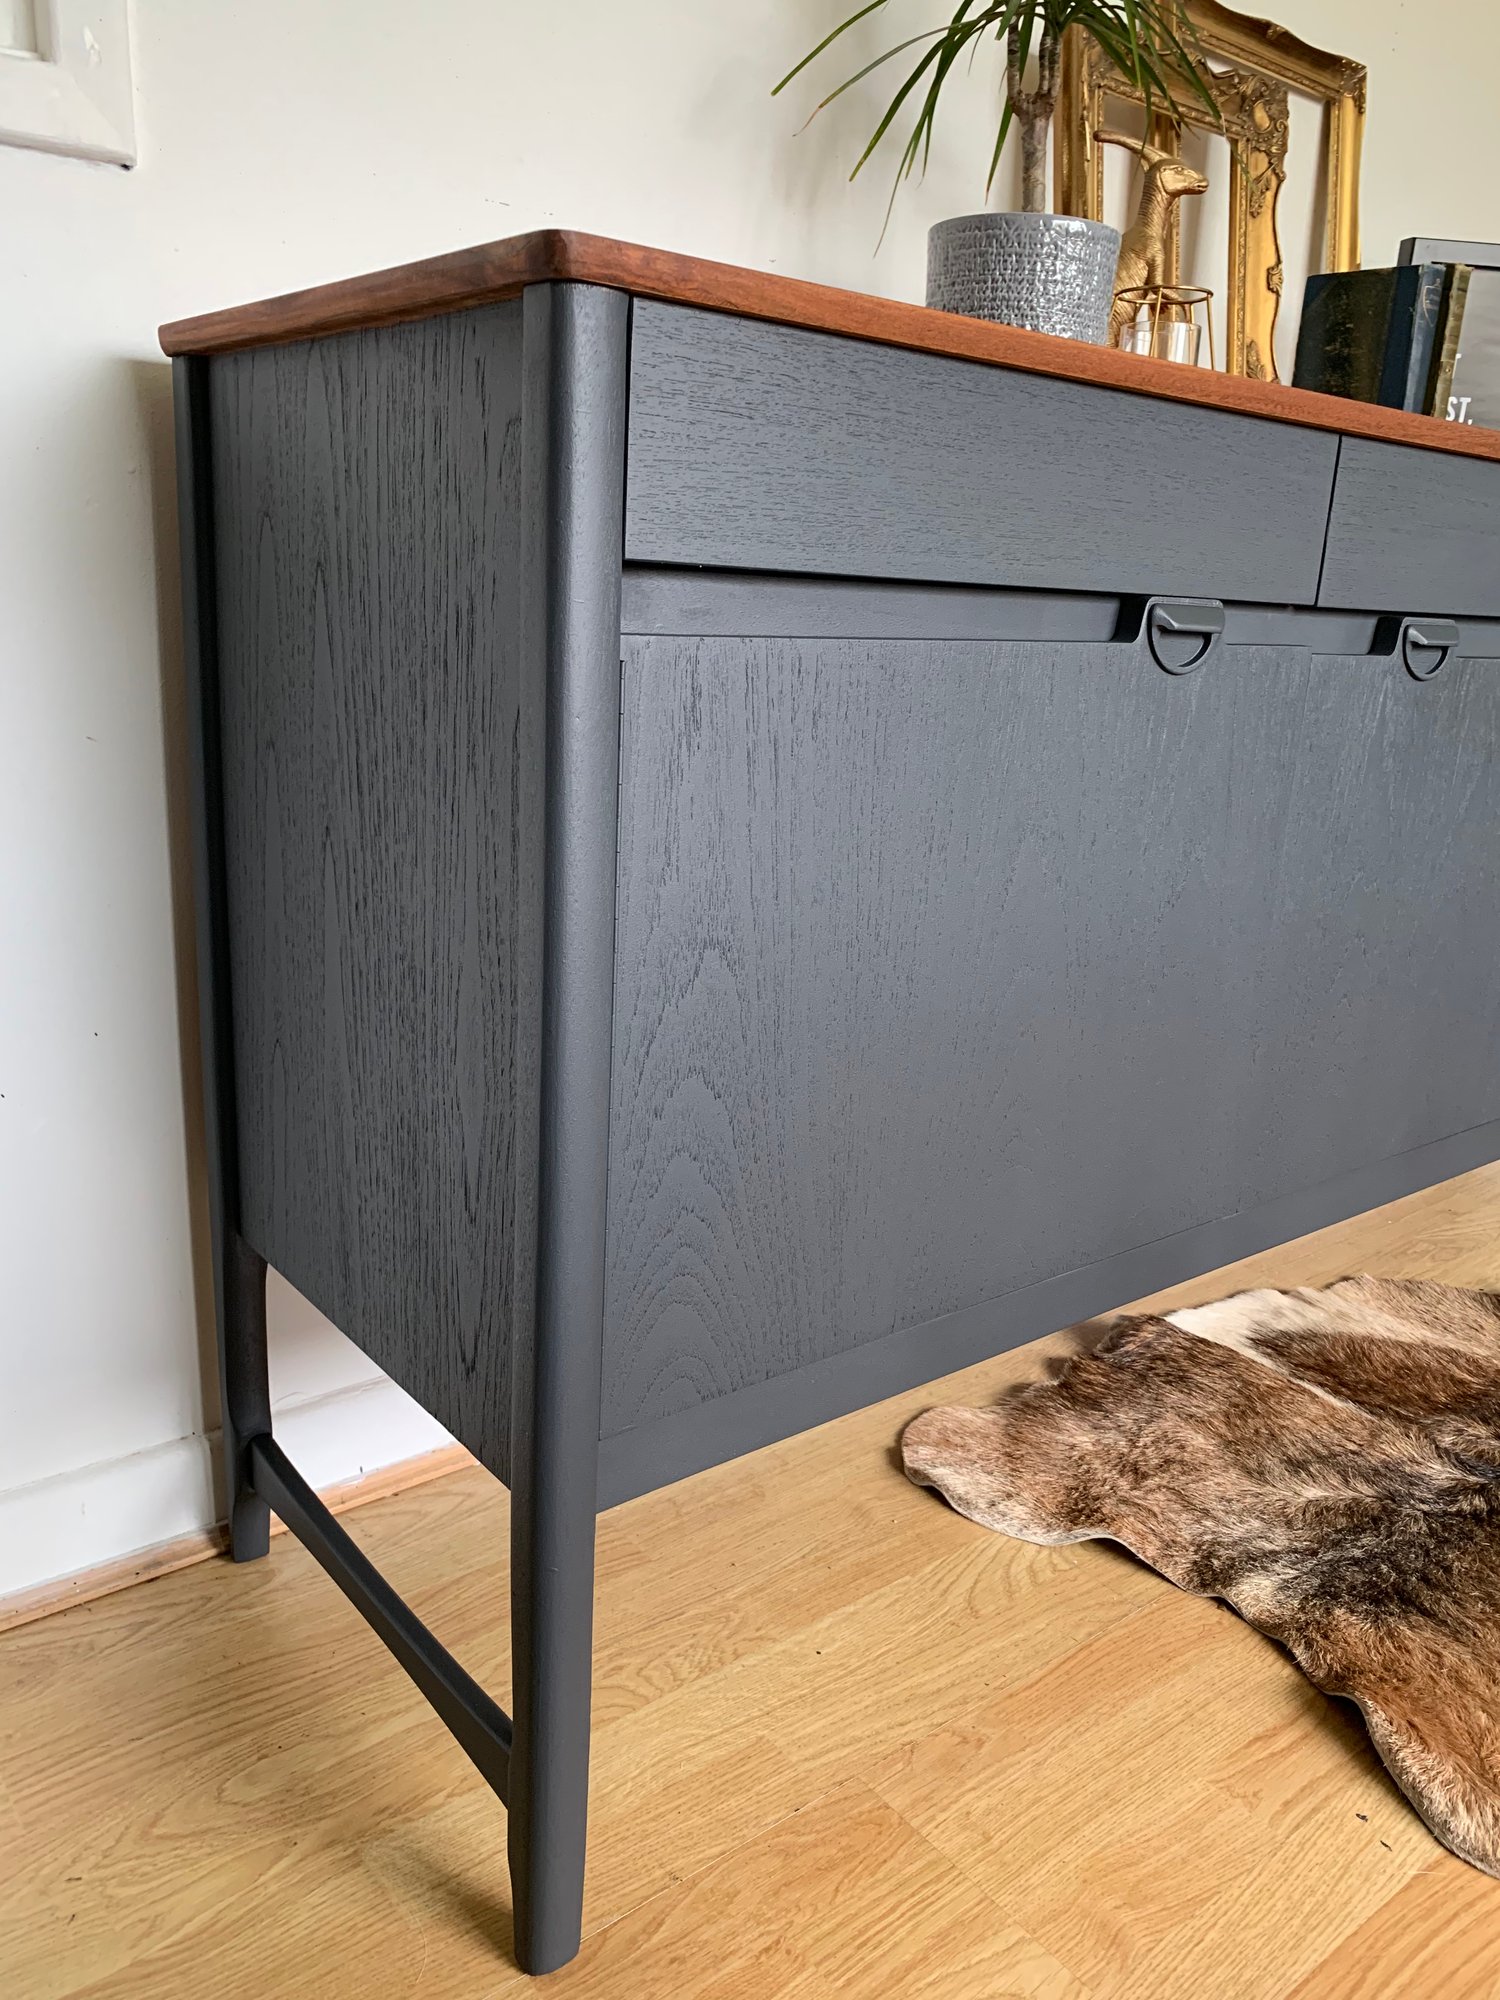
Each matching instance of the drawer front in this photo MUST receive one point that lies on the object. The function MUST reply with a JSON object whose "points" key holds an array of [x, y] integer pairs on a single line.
{"points": [[1413, 531], [767, 447]]}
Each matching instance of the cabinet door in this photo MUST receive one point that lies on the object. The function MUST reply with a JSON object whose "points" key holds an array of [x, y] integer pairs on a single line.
{"points": [[945, 968]]}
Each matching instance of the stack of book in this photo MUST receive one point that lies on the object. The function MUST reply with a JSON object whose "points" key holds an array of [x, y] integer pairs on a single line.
{"points": [[1418, 336]]}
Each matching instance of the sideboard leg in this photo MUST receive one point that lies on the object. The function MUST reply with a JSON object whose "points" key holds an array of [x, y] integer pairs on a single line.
{"points": [[239, 1275], [575, 354], [552, 1617], [244, 1389]]}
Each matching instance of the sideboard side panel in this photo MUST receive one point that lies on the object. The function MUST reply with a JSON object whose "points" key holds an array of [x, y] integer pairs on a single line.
{"points": [[378, 815]]}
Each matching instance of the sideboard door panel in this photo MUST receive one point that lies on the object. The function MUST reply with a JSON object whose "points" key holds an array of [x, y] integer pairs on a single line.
{"points": [[944, 968]]}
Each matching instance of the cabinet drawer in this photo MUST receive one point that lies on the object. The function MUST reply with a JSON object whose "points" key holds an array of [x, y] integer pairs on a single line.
{"points": [[1413, 531], [755, 446]]}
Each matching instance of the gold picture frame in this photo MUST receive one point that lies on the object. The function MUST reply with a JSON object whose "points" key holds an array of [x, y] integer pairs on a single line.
{"points": [[1263, 62]]}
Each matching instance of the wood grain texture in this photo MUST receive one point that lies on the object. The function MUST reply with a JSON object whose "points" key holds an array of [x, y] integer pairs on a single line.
{"points": [[847, 1744], [493, 271], [1411, 533], [944, 969], [759, 447], [377, 780], [676, 1446]]}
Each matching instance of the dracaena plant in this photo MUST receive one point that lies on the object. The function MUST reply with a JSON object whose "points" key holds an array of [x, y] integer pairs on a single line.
{"points": [[1151, 42]]}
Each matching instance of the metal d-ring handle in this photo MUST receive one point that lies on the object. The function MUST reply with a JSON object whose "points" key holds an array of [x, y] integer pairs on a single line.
{"points": [[1182, 632], [1426, 645]]}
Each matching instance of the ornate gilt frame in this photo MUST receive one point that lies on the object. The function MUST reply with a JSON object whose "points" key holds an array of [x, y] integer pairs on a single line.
{"points": [[1264, 60]]}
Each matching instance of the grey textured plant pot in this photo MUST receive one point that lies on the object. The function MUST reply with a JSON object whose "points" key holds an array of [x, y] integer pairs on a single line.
{"points": [[1053, 273]]}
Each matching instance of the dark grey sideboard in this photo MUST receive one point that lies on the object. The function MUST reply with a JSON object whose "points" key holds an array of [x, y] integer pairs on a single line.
{"points": [[755, 846]]}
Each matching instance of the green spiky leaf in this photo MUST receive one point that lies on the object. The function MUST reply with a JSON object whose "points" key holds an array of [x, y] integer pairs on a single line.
{"points": [[1151, 42]]}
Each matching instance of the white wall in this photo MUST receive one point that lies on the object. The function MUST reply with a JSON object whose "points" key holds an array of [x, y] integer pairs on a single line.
{"points": [[284, 142]]}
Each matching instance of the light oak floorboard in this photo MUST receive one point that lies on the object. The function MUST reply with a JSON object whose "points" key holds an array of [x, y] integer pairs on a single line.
{"points": [[847, 1744], [23, 1607]]}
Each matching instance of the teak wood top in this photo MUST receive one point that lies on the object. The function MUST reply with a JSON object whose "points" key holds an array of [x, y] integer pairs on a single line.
{"points": [[493, 271]]}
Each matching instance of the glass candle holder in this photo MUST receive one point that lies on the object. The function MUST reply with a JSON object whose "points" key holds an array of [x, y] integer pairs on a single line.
{"points": [[1165, 323]]}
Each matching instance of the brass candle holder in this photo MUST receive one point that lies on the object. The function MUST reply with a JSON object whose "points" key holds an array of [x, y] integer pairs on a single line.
{"points": [[1163, 322]]}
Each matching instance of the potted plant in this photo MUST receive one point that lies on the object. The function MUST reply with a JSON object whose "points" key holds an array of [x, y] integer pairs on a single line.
{"points": [[1055, 273]]}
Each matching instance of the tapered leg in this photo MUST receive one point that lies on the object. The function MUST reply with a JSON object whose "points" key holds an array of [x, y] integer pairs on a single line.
{"points": [[552, 1616], [573, 455], [245, 1393], [239, 1275]]}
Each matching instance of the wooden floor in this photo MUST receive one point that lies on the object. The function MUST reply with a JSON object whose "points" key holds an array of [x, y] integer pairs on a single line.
{"points": [[848, 1744]]}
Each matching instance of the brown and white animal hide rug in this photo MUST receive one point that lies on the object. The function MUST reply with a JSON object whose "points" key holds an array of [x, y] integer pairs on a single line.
{"points": [[1325, 1461]]}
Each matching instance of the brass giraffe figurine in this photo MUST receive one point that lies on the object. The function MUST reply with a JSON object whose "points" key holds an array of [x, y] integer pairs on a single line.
{"points": [[1143, 249]]}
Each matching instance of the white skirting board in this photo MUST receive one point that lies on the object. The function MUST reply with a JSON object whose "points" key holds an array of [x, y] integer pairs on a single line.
{"points": [[100, 1513]]}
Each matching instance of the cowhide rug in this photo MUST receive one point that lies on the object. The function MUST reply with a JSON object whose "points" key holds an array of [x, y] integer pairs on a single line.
{"points": [[1326, 1462]]}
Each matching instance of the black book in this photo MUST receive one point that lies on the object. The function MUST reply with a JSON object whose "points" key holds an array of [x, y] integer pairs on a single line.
{"points": [[1375, 336]]}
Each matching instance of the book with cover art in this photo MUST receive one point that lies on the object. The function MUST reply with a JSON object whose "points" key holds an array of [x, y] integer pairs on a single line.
{"points": [[1381, 336], [1473, 394]]}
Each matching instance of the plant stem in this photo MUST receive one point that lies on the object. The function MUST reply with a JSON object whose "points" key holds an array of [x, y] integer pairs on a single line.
{"points": [[1033, 110], [1033, 161]]}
